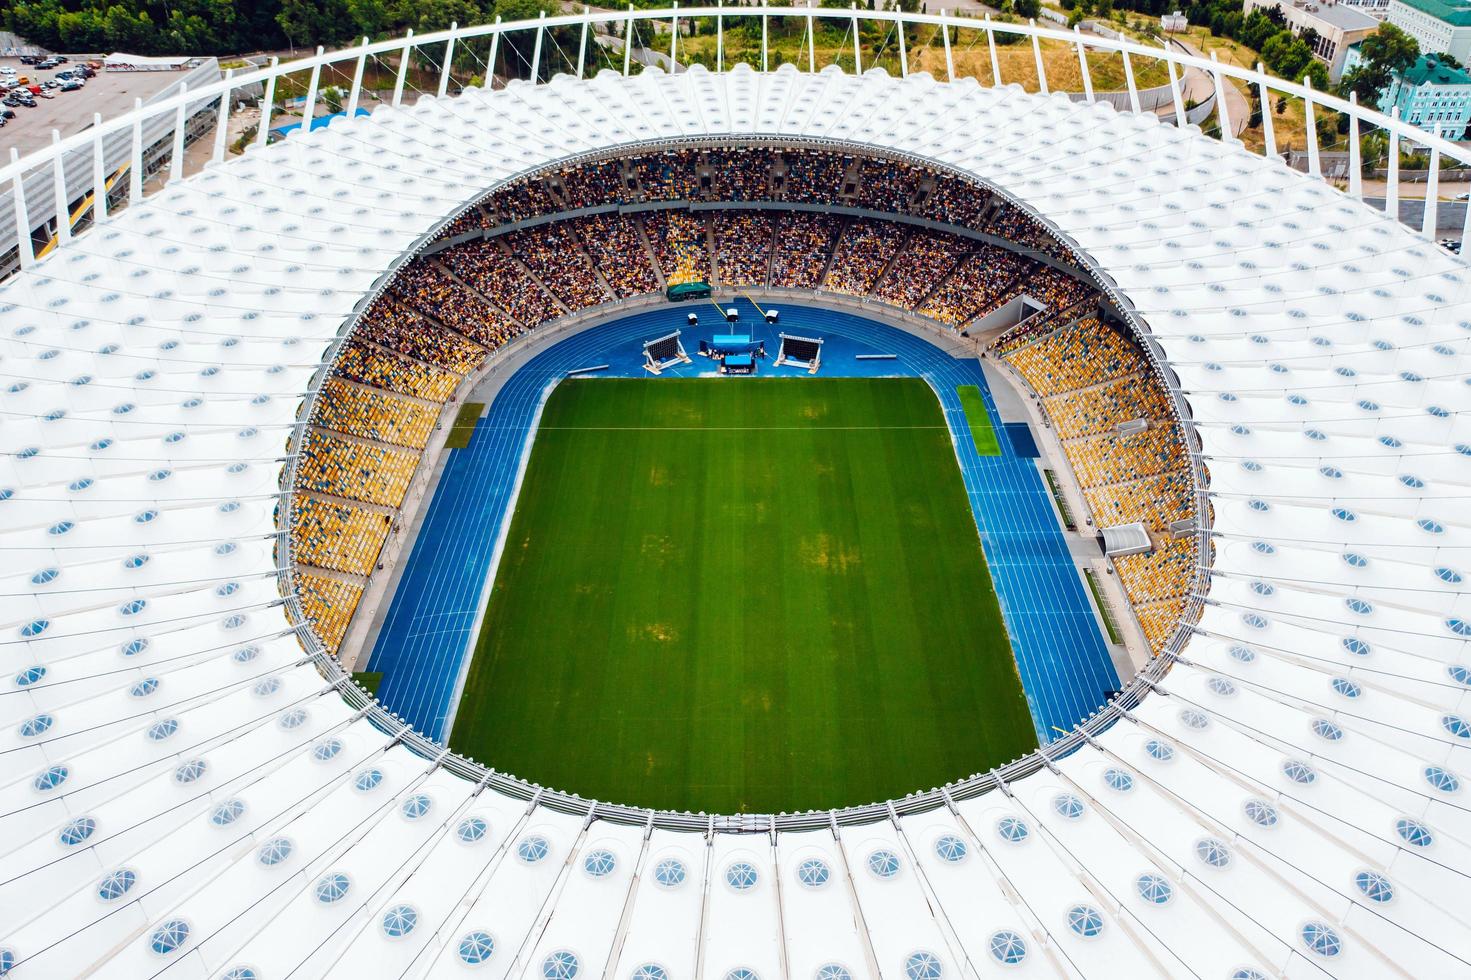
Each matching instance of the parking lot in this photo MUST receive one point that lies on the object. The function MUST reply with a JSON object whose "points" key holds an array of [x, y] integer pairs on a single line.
{"points": [[110, 93]]}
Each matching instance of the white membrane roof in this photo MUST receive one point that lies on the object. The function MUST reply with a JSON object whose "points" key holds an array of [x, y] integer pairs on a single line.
{"points": [[1291, 800]]}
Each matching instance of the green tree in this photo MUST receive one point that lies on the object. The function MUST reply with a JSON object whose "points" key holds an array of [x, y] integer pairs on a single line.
{"points": [[1390, 48], [1384, 52], [307, 23], [370, 18]]}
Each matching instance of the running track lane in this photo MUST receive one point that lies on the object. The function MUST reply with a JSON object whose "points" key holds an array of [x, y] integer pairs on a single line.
{"points": [[422, 647]]}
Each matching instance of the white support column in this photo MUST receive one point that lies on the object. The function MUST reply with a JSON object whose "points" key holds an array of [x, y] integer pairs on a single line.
{"points": [[949, 58], [449, 59], [1175, 93], [1391, 184], [263, 131], [1432, 189], [628, 43], [176, 158], [495, 46], [99, 173], [582, 44], [1223, 116], [313, 82], [536, 49], [1083, 64], [58, 187], [811, 41], [1269, 138], [403, 68], [222, 121], [720, 37], [1310, 124], [1037, 56], [674, 40], [135, 168], [765, 48], [1131, 84], [1355, 152], [22, 220], [357, 83], [857, 54], [903, 42], [991, 43]]}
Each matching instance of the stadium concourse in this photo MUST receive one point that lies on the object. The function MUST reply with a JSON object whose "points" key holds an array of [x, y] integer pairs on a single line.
{"points": [[188, 792]]}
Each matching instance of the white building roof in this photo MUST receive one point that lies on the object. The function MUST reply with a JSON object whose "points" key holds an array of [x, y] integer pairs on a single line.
{"points": [[1289, 799]]}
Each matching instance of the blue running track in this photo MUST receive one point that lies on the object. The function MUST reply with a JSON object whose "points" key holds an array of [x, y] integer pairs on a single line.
{"points": [[423, 645]]}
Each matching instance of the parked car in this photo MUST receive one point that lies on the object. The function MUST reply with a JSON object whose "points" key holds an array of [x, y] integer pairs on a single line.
{"points": [[70, 85], [33, 89], [50, 83], [7, 113], [61, 59], [30, 59]]}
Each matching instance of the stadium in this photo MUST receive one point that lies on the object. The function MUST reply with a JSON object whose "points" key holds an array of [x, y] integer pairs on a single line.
{"points": [[790, 522]]}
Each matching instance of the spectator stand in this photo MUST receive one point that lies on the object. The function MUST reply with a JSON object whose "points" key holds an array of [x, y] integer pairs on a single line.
{"points": [[663, 352], [802, 352]]}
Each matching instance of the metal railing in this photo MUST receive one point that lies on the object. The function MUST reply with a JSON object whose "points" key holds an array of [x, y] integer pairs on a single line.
{"points": [[131, 126]]}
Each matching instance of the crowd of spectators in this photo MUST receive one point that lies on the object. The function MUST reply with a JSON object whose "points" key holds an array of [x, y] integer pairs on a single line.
{"points": [[862, 255], [977, 283], [492, 272], [679, 242], [389, 325], [739, 177], [802, 244], [554, 255], [425, 286], [955, 202], [805, 176], [744, 242], [814, 177], [926, 261], [530, 198], [669, 176], [884, 185], [618, 248], [594, 184]]}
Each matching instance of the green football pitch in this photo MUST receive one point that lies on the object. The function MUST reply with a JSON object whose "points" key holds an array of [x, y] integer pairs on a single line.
{"points": [[742, 595]]}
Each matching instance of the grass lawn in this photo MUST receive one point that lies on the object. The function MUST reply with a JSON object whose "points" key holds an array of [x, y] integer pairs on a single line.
{"points": [[465, 421], [982, 433], [743, 595]]}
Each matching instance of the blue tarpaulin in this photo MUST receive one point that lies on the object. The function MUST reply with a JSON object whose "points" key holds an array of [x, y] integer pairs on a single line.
{"points": [[317, 123]]}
